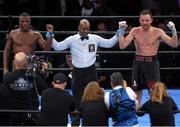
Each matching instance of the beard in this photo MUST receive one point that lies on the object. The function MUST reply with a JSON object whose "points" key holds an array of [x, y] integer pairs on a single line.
{"points": [[145, 27]]}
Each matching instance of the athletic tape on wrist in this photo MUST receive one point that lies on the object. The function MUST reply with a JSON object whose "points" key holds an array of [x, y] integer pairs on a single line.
{"points": [[49, 35], [120, 32], [174, 33]]}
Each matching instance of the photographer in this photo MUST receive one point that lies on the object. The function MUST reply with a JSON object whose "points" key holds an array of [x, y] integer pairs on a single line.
{"points": [[23, 90]]}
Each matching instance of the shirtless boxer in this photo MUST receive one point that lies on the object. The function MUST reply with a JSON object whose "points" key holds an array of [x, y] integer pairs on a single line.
{"points": [[23, 39], [146, 39]]}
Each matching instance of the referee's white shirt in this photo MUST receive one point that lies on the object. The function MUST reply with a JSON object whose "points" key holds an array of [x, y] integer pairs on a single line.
{"points": [[84, 52]]}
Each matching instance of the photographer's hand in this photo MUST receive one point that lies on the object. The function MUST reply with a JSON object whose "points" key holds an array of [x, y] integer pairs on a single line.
{"points": [[44, 66]]}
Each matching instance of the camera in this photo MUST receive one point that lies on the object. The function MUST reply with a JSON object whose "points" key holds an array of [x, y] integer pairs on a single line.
{"points": [[35, 66]]}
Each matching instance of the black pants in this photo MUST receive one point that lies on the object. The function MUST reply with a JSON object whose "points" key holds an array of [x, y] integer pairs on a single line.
{"points": [[145, 69], [80, 78]]}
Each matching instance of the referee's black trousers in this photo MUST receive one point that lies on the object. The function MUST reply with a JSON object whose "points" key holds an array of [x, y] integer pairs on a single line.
{"points": [[80, 78]]}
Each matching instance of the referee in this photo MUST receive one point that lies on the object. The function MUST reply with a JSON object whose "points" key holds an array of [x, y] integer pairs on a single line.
{"points": [[83, 47]]}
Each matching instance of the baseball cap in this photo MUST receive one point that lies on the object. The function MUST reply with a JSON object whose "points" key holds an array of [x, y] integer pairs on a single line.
{"points": [[59, 78]]}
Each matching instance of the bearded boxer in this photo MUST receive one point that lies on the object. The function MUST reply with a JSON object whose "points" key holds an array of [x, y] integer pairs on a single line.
{"points": [[23, 39], [146, 39]]}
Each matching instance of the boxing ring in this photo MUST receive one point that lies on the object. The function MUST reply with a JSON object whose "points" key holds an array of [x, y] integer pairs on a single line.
{"points": [[173, 92]]}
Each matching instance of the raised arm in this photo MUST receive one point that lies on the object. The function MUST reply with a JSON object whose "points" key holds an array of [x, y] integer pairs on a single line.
{"points": [[124, 41], [6, 53], [55, 44], [171, 41], [46, 45], [108, 43]]}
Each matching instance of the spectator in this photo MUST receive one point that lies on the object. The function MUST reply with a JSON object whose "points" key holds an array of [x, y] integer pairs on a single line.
{"points": [[92, 107], [160, 107], [121, 102], [102, 27], [101, 8], [95, 8], [87, 8], [56, 103]]}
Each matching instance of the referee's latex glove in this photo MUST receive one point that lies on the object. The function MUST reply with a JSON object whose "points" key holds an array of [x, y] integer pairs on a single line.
{"points": [[122, 27]]}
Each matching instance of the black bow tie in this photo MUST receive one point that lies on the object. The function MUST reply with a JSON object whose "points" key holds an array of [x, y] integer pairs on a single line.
{"points": [[86, 37]]}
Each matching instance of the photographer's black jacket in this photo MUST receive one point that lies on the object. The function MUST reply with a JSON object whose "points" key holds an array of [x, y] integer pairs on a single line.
{"points": [[22, 93]]}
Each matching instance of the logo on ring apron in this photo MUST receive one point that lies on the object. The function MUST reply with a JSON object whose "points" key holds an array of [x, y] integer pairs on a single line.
{"points": [[91, 47]]}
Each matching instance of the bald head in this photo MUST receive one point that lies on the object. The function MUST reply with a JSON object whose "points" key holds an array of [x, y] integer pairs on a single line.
{"points": [[20, 60], [84, 27], [84, 22]]}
